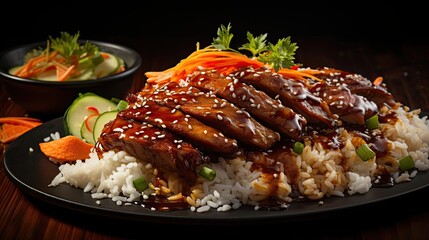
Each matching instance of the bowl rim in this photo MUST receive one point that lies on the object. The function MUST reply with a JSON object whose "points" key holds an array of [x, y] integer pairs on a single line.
{"points": [[103, 44]]}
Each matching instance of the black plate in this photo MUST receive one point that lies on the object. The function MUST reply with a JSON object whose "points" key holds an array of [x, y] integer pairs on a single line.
{"points": [[32, 172]]}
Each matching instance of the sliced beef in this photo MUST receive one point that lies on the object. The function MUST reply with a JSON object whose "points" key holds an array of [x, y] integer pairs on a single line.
{"points": [[350, 107], [358, 85], [266, 109], [203, 136], [152, 144], [215, 112], [292, 93]]}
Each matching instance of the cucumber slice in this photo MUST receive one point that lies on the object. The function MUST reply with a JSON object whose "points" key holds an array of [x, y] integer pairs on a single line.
{"points": [[50, 75], [78, 111], [13, 70], [88, 74], [87, 129], [102, 120], [108, 67]]}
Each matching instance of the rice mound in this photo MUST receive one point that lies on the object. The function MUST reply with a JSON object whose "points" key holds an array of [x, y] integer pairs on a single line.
{"points": [[323, 172]]}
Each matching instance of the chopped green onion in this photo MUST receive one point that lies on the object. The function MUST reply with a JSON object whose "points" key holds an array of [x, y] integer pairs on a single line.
{"points": [[364, 152], [298, 147], [372, 122], [97, 58], [122, 105], [406, 163], [140, 184], [115, 100], [207, 173]]}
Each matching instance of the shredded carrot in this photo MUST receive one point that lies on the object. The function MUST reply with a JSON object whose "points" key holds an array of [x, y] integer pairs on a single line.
{"points": [[64, 74], [31, 65], [66, 149], [299, 74], [120, 69], [378, 81], [13, 127], [223, 62], [105, 55]]}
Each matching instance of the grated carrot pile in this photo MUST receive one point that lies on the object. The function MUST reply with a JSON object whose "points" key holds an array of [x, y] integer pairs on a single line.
{"points": [[66, 149]]}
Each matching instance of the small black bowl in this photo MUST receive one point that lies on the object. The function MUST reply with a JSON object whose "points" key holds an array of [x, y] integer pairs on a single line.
{"points": [[39, 97]]}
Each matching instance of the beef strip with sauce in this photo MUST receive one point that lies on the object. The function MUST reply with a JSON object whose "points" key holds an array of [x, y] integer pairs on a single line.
{"points": [[257, 103], [215, 112], [292, 93], [357, 84], [351, 108], [203, 136], [153, 145]]}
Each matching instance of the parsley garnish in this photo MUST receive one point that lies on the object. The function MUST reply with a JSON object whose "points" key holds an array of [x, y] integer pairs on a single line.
{"points": [[68, 46], [279, 55], [223, 38], [256, 45]]}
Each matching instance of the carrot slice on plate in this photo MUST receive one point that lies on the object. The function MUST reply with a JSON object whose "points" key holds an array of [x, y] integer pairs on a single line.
{"points": [[9, 132], [66, 149], [13, 127]]}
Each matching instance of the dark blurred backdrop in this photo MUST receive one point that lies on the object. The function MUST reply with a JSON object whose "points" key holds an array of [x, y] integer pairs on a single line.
{"points": [[163, 28], [381, 22]]}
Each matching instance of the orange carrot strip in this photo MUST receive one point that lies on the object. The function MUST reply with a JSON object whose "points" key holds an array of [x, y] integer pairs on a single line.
{"points": [[206, 58], [378, 81], [9, 132], [63, 75], [5, 119], [31, 122], [26, 68], [222, 61], [66, 149], [120, 69], [105, 55], [298, 74]]}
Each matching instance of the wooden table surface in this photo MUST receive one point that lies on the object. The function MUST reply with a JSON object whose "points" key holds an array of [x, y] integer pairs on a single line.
{"points": [[404, 65]]}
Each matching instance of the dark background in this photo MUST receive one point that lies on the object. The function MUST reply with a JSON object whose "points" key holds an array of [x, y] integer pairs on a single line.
{"points": [[325, 32], [386, 23]]}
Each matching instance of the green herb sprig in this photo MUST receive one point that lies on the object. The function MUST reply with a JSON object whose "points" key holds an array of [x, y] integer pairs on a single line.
{"points": [[68, 46], [279, 55]]}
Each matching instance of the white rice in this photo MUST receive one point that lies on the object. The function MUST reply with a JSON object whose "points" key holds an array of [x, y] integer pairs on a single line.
{"points": [[323, 172]]}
